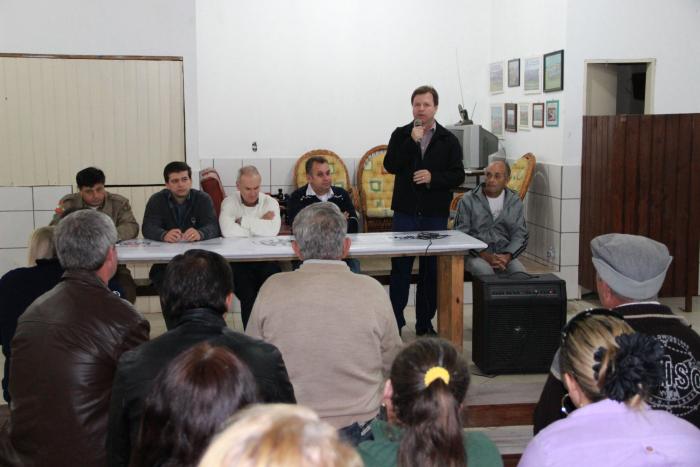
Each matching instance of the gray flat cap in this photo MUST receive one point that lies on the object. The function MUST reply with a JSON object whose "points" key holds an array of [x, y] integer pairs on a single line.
{"points": [[632, 265]]}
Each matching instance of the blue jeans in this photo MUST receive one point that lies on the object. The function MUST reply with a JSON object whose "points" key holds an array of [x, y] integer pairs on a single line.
{"points": [[400, 280]]}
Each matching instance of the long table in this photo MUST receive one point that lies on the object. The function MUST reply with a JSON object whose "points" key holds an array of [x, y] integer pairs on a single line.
{"points": [[450, 249]]}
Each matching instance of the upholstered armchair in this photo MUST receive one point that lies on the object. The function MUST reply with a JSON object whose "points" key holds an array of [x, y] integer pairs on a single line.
{"points": [[376, 188]]}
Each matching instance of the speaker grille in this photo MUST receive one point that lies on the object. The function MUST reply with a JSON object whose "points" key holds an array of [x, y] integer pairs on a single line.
{"points": [[517, 332]]}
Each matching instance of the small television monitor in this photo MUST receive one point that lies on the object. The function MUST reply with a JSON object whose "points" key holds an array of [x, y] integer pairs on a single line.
{"points": [[477, 144]]}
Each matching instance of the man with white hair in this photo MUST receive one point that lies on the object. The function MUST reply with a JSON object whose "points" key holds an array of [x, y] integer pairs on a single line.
{"points": [[250, 213], [336, 329], [65, 353], [630, 272]]}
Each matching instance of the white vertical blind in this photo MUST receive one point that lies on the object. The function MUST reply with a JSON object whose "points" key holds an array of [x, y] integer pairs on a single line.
{"points": [[59, 115]]}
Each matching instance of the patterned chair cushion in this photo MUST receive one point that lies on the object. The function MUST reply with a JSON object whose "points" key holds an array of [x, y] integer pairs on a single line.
{"points": [[378, 186], [521, 174], [339, 173]]}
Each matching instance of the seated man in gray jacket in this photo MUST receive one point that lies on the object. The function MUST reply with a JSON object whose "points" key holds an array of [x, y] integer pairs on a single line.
{"points": [[494, 214]]}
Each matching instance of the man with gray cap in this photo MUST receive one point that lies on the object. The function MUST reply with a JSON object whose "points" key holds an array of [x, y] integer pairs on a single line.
{"points": [[65, 353], [630, 272]]}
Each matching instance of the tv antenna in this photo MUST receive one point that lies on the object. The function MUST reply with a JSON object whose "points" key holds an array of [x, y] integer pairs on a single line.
{"points": [[463, 114]]}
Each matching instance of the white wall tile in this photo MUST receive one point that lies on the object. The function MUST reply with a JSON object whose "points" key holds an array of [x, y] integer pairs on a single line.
{"points": [[17, 228], [570, 275], [46, 198], [16, 198], [571, 181], [554, 174], [263, 166], [282, 171], [12, 258], [205, 163], [544, 244], [42, 218], [228, 170], [351, 164], [230, 190], [569, 249], [544, 211], [570, 215]]}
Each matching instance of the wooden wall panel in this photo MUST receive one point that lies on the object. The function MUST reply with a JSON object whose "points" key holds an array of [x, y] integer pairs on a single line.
{"points": [[641, 175], [58, 115]]}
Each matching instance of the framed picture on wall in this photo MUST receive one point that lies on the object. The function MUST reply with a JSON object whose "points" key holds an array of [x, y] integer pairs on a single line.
{"points": [[497, 120], [532, 71], [514, 73], [524, 116], [553, 71], [511, 117], [496, 78], [538, 115], [552, 113]]}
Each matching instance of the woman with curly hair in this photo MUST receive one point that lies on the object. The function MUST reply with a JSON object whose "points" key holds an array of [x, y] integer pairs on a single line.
{"points": [[609, 371], [423, 397]]}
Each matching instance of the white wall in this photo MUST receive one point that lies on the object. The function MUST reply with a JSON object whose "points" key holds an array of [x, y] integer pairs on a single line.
{"points": [[295, 76], [102, 27], [632, 29], [526, 29]]}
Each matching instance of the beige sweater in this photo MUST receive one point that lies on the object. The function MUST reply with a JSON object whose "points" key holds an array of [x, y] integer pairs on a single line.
{"points": [[337, 334]]}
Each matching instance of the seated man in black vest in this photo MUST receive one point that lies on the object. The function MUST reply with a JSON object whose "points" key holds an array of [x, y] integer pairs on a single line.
{"points": [[196, 293], [319, 188]]}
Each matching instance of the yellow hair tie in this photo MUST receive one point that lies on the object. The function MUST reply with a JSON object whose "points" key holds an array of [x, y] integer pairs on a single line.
{"points": [[435, 373]]}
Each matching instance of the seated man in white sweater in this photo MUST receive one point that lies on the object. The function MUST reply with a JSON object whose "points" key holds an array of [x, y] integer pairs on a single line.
{"points": [[249, 213], [336, 329]]}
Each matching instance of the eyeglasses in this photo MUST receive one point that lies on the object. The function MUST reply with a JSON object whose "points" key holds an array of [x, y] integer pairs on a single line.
{"points": [[576, 320]]}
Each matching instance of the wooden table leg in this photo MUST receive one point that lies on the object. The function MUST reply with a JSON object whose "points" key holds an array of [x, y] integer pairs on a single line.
{"points": [[450, 297]]}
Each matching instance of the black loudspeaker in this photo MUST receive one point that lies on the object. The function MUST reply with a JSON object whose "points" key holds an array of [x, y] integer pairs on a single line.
{"points": [[517, 322]]}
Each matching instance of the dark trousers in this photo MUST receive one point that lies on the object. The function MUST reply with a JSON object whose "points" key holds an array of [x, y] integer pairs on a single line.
{"points": [[247, 280], [400, 280], [126, 282]]}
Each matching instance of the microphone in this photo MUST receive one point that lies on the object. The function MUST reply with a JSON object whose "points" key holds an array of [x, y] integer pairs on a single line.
{"points": [[417, 123]]}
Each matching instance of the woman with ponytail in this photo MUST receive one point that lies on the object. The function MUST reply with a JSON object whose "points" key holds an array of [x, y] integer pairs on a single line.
{"points": [[423, 398], [609, 370]]}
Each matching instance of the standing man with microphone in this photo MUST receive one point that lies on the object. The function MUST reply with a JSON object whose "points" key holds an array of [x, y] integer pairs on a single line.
{"points": [[427, 161]]}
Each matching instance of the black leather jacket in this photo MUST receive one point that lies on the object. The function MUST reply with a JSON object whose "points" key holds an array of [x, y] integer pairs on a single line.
{"points": [[138, 368], [64, 355]]}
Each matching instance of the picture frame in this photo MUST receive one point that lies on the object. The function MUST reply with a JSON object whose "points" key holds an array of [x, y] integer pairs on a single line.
{"points": [[524, 116], [497, 120], [553, 76], [511, 111], [552, 113], [538, 115], [514, 73], [532, 75], [496, 77]]}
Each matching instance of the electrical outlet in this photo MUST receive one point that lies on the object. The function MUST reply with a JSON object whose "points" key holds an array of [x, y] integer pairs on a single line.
{"points": [[550, 253]]}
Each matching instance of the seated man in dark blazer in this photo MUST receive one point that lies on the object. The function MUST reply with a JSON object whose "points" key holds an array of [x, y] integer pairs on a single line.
{"points": [[319, 188], [197, 291], [178, 213]]}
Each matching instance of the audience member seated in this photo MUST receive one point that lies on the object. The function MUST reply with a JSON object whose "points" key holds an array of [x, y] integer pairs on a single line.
{"points": [[249, 213], [609, 371], [318, 189], [197, 291], [65, 352], [335, 329], [423, 398], [279, 435], [493, 213], [190, 401], [178, 213], [92, 195], [21, 286], [630, 272]]}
